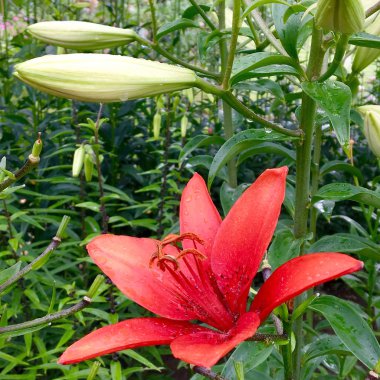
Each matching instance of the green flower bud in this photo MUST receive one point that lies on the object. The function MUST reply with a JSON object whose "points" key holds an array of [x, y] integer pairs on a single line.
{"points": [[156, 125], [364, 56], [37, 147], [343, 16], [372, 127], [102, 78], [80, 35], [88, 167], [78, 161], [184, 124]]}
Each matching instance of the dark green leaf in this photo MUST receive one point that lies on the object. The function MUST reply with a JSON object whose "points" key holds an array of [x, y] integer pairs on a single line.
{"points": [[346, 191], [192, 11], [350, 327], [325, 345], [240, 142], [244, 65], [365, 39], [250, 354], [335, 99], [197, 142], [258, 3], [176, 25], [347, 243], [229, 195], [332, 166]]}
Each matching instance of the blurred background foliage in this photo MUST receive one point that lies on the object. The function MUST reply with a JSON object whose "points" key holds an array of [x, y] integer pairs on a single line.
{"points": [[144, 167]]}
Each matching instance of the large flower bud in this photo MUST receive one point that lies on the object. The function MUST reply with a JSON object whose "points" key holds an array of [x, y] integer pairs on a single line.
{"points": [[343, 16], [372, 127], [80, 35], [102, 78], [364, 56]]}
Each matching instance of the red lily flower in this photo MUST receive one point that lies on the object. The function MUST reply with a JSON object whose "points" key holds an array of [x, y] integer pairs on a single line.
{"points": [[203, 274]]}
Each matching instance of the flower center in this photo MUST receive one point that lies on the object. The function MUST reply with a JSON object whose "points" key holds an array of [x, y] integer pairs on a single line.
{"points": [[174, 240], [194, 282]]}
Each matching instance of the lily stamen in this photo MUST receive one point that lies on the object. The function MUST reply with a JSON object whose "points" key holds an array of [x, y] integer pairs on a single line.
{"points": [[174, 240]]}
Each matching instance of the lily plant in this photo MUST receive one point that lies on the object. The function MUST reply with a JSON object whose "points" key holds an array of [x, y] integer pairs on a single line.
{"points": [[198, 281]]}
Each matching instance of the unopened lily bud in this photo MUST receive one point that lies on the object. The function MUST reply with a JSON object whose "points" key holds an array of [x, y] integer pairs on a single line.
{"points": [[37, 147], [176, 102], [102, 78], [189, 94], [364, 56], [80, 35], [78, 161], [372, 127], [343, 16], [156, 125], [88, 167], [184, 125]]}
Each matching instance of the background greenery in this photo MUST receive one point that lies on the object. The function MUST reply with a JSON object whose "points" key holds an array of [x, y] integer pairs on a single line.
{"points": [[144, 171]]}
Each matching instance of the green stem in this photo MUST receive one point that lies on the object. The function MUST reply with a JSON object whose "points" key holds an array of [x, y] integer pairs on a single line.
{"points": [[267, 33], [48, 318], [154, 20], [228, 133], [340, 50], [55, 242], [202, 14], [99, 170], [236, 104], [31, 163], [156, 47], [286, 351], [236, 22], [303, 168], [252, 28]]}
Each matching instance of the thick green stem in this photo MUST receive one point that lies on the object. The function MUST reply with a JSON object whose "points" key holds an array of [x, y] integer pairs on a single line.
{"points": [[228, 133], [236, 22], [303, 169], [154, 19], [286, 352]]}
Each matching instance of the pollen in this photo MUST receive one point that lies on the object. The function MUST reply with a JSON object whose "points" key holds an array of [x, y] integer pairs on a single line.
{"points": [[163, 259]]}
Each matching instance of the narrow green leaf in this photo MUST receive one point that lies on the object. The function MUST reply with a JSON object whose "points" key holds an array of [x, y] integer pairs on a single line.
{"points": [[240, 142], [350, 327], [332, 166], [325, 345], [365, 39], [192, 11], [176, 25], [258, 3], [335, 99], [243, 65], [347, 243], [346, 191], [197, 142]]}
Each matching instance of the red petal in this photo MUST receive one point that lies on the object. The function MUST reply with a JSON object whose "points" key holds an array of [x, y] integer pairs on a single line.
{"points": [[198, 214], [205, 348], [245, 234], [128, 334], [126, 261], [298, 275]]}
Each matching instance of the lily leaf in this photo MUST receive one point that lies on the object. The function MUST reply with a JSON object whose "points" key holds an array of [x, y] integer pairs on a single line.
{"points": [[341, 166], [335, 99], [346, 191], [243, 65], [182, 23], [240, 142], [365, 39], [350, 327], [325, 345], [251, 354], [258, 3], [347, 243], [197, 142], [192, 11]]}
